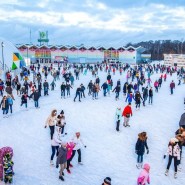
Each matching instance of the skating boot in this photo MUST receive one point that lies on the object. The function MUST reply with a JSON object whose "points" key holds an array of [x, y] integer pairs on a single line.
{"points": [[166, 172], [175, 175]]}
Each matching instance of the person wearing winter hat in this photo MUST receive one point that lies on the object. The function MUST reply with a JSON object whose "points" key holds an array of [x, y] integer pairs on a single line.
{"points": [[144, 175], [174, 153], [107, 181]]}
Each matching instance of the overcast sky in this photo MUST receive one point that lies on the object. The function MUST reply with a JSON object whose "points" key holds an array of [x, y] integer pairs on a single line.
{"points": [[92, 22]]}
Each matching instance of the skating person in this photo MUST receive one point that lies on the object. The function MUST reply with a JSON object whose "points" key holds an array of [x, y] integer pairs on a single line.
{"points": [[68, 86], [82, 90], [24, 100], [46, 88], [1, 87], [156, 85], [94, 91], [10, 103], [62, 160], [150, 95], [63, 89], [90, 86], [107, 181], [104, 86], [55, 142], [53, 85], [117, 90], [127, 112], [174, 153], [129, 97], [51, 122], [138, 99], [78, 91], [4, 106], [125, 88], [78, 142], [118, 118], [61, 123], [9, 91], [36, 95], [141, 144], [130, 87], [18, 87], [69, 146], [145, 95], [172, 86], [144, 176]]}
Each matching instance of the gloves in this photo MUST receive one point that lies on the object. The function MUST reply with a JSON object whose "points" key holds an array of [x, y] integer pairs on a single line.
{"points": [[148, 151], [164, 156], [85, 146], [136, 151], [45, 126], [57, 166]]}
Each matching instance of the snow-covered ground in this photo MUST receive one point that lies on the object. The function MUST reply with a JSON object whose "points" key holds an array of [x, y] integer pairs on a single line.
{"points": [[108, 153]]}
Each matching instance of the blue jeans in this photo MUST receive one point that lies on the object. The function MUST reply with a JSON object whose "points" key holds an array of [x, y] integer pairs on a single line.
{"points": [[10, 107], [171, 90], [104, 92], [5, 111], [36, 103], [140, 158]]}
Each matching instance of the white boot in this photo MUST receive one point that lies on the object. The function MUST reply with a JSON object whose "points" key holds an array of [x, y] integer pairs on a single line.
{"points": [[166, 172], [80, 163], [175, 175], [138, 165], [51, 163], [179, 167]]}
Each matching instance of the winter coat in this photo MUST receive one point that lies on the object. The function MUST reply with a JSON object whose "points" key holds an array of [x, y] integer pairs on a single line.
{"points": [[129, 88], [174, 150], [78, 142], [127, 111], [156, 84], [125, 88], [138, 98], [118, 115], [10, 101], [56, 137], [140, 146], [35, 95], [63, 87], [182, 120], [104, 86], [4, 104], [9, 90], [51, 121], [69, 148], [150, 92], [90, 85], [145, 92], [1, 85], [46, 85], [143, 178], [24, 98], [62, 156], [117, 89], [172, 85], [129, 97]]}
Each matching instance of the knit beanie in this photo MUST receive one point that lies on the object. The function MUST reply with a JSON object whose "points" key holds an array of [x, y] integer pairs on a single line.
{"points": [[107, 180]]}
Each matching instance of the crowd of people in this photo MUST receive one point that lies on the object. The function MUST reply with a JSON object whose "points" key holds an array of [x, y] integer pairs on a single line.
{"points": [[137, 88]]}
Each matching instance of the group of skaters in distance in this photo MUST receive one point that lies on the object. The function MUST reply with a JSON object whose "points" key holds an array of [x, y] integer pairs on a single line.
{"points": [[36, 82]]}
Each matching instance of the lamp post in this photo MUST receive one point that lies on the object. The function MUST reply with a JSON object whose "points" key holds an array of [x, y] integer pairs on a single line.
{"points": [[2, 45]]}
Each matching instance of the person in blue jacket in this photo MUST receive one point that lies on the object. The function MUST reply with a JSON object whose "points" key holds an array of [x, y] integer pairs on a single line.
{"points": [[130, 96]]}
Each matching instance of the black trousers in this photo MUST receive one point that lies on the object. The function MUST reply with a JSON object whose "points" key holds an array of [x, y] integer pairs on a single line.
{"points": [[170, 161], [117, 125], [54, 149], [52, 130], [68, 163], [79, 155]]}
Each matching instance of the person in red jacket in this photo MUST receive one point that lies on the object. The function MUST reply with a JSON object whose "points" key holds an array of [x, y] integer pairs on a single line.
{"points": [[172, 86], [127, 112]]}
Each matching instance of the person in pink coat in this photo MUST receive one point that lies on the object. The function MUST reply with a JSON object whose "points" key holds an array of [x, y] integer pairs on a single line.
{"points": [[69, 148], [144, 177], [3, 152]]}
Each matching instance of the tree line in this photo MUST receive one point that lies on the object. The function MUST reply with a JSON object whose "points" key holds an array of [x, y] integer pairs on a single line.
{"points": [[158, 48]]}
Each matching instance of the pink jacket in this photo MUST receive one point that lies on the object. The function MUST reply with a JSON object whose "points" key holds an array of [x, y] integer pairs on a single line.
{"points": [[69, 148], [156, 84], [143, 178]]}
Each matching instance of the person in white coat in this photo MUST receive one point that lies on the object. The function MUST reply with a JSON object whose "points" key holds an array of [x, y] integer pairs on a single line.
{"points": [[174, 153], [78, 144], [118, 117], [55, 142]]}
